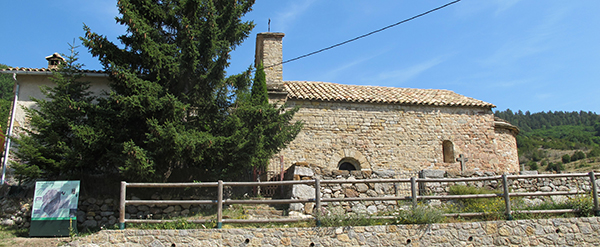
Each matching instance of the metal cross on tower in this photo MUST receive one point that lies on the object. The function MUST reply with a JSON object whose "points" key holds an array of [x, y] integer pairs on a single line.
{"points": [[462, 159]]}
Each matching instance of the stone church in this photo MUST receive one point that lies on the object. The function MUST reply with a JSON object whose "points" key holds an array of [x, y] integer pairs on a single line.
{"points": [[346, 127], [372, 128]]}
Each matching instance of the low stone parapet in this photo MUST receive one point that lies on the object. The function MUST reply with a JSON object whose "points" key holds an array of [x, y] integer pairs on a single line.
{"points": [[540, 232]]}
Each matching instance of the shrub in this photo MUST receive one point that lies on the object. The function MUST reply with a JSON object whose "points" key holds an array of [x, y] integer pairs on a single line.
{"points": [[532, 165], [566, 158], [583, 203], [594, 153], [536, 156], [557, 167], [420, 215], [578, 156], [339, 217], [493, 207], [179, 223]]}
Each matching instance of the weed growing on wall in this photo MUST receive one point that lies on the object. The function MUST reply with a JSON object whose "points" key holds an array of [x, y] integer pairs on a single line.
{"points": [[585, 205], [180, 223], [420, 215], [339, 217], [492, 207]]}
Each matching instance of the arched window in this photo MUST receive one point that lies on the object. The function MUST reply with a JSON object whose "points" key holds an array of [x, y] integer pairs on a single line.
{"points": [[448, 150], [349, 164]]}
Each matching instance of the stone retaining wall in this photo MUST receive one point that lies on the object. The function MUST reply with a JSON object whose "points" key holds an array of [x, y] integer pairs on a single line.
{"points": [[357, 189], [545, 232], [354, 189], [97, 213], [573, 184]]}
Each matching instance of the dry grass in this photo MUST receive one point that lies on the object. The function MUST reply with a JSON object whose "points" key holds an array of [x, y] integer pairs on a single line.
{"points": [[580, 166]]}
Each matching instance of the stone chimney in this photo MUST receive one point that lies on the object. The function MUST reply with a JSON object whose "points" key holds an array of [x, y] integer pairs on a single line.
{"points": [[269, 51], [54, 60]]}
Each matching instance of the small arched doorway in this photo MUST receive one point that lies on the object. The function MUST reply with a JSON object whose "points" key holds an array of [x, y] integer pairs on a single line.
{"points": [[349, 164]]}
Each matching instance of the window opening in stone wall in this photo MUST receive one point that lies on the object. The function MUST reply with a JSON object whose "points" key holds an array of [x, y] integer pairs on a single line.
{"points": [[448, 150], [349, 164]]}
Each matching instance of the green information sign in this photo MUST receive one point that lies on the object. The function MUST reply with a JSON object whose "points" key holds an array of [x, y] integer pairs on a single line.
{"points": [[54, 210]]}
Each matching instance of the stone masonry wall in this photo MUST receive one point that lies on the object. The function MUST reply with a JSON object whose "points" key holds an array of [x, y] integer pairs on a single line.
{"points": [[505, 146], [397, 137], [357, 189], [540, 232], [353, 189], [269, 53], [573, 184], [103, 212], [98, 213]]}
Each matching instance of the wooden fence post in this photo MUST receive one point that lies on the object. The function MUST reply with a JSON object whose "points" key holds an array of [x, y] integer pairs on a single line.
{"points": [[413, 190], [220, 204], [122, 205], [318, 200], [506, 197], [594, 192]]}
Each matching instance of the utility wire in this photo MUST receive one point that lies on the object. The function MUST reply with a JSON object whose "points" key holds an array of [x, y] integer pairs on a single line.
{"points": [[365, 35]]}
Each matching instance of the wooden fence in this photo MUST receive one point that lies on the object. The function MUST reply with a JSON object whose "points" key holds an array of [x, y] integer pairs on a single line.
{"points": [[414, 197]]}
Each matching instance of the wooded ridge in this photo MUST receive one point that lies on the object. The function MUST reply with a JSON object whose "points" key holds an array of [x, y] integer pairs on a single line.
{"points": [[578, 132]]}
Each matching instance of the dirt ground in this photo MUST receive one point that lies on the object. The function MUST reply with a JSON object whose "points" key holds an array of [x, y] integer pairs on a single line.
{"points": [[37, 242]]}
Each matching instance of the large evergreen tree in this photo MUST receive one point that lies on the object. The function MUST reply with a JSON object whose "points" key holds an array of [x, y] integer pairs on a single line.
{"points": [[57, 144], [172, 109]]}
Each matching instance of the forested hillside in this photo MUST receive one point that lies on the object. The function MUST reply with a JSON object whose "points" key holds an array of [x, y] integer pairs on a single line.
{"points": [[575, 135]]}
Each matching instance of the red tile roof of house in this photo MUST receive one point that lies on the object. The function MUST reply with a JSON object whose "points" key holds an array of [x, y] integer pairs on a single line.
{"points": [[17, 69], [324, 91]]}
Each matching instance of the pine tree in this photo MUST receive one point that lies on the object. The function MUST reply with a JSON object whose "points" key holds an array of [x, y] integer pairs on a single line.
{"points": [[172, 109], [56, 144]]}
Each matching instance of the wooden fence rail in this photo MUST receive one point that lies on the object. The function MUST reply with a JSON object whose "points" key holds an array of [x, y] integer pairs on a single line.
{"points": [[219, 201]]}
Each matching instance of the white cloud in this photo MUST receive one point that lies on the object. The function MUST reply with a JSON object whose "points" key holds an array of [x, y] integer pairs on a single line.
{"points": [[474, 7], [503, 5], [334, 73], [538, 40], [284, 19], [543, 96], [405, 74], [515, 83]]}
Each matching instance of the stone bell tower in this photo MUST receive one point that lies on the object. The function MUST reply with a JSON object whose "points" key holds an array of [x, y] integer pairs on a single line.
{"points": [[269, 48]]}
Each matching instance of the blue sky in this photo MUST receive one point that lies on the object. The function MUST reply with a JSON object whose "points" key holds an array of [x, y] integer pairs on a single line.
{"points": [[520, 54]]}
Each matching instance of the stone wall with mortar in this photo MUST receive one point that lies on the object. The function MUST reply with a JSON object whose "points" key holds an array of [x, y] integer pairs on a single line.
{"points": [[540, 232], [398, 137]]}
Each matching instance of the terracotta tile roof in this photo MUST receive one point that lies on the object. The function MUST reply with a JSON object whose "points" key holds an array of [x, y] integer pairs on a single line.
{"points": [[17, 69], [324, 91]]}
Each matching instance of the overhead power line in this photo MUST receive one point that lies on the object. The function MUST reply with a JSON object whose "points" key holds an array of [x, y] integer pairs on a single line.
{"points": [[365, 35]]}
